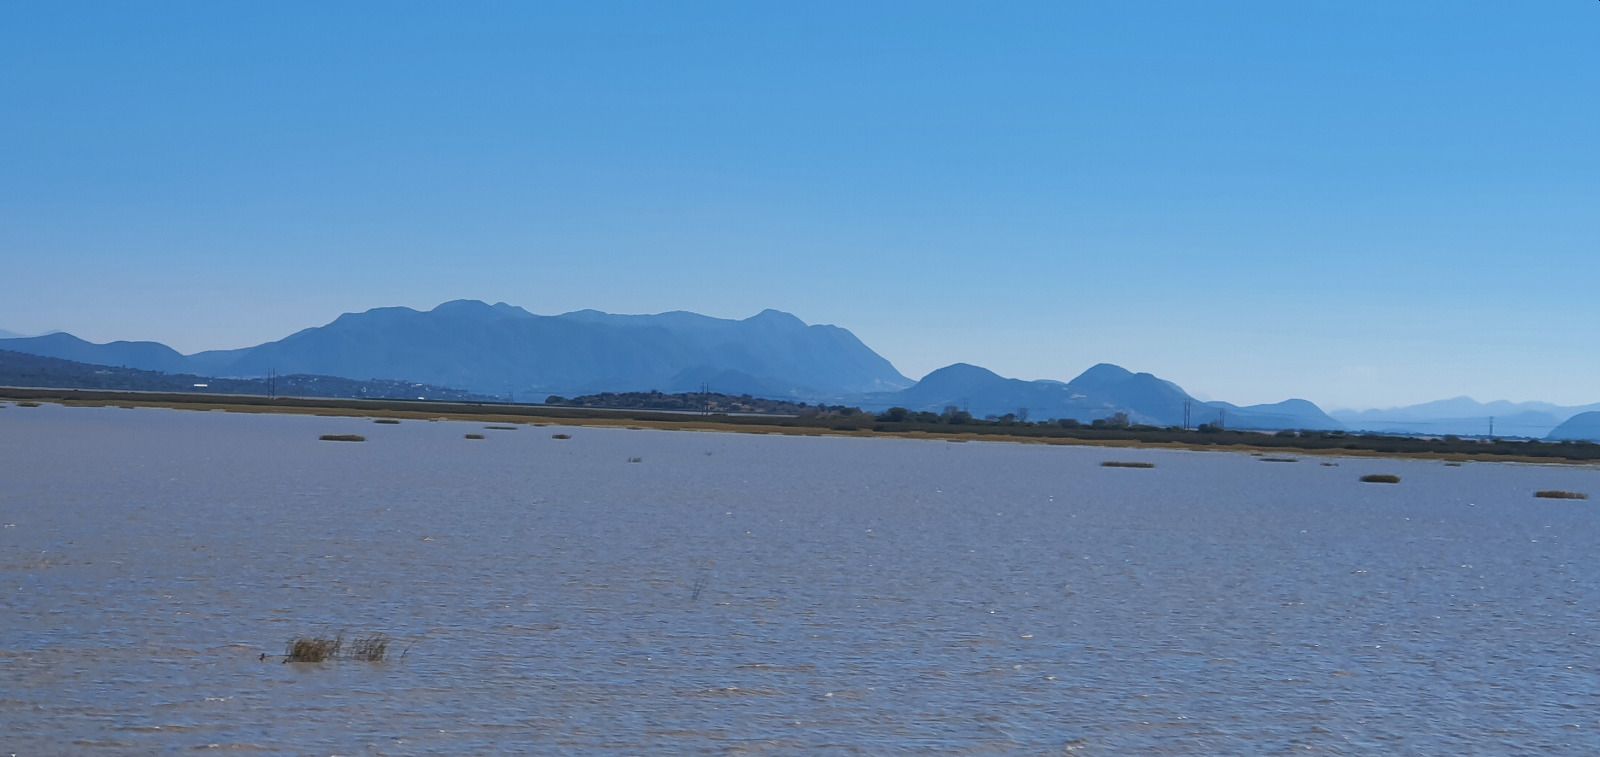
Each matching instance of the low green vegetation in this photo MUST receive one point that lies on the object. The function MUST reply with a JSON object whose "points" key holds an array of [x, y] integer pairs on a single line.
{"points": [[342, 438], [694, 402], [893, 421], [1558, 494], [1380, 478]]}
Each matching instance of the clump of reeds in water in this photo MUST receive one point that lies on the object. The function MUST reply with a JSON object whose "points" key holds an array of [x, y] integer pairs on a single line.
{"points": [[1380, 478], [374, 648], [386, 421], [1558, 494], [1125, 464], [1280, 459], [635, 459], [474, 436], [342, 438], [561, 436], [313, 649], [369, 648], [501, 428]]}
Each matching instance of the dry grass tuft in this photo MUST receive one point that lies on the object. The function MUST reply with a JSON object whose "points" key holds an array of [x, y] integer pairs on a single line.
{"points": [[1558, 494], [1380, 478], [1125, 464], [342, 438], [313, 649]]}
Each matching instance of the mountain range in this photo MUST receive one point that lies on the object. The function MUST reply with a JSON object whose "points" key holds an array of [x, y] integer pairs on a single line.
{"points": [[1464, 416], [1099, 392], [505, 351]]}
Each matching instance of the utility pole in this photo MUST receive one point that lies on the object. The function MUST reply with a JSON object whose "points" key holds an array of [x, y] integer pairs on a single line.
{"points": [[1186, 404]]}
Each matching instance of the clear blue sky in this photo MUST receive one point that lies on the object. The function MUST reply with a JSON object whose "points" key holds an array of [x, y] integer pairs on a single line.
{"points": [[1359, 202]]}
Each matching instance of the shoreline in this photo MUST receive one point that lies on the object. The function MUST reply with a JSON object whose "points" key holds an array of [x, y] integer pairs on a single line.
{"points": [[668, 421]]}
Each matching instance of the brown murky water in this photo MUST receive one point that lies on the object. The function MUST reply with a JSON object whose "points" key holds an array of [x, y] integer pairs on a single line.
{"points": [[774, 594]]}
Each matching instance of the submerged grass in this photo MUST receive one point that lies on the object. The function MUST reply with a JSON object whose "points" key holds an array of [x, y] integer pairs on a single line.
{"points": [[1558, 494], [342, 438], [1380, 478], [1125, 464]]}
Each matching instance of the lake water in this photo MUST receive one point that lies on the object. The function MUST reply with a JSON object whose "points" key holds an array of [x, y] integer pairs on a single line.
{"points": [[768, 594]]}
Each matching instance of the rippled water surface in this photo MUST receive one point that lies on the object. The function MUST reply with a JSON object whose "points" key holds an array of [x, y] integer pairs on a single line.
{"points": [[774, 594]]}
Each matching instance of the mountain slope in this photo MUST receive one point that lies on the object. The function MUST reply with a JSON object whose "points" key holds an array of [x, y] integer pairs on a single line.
{"points": [[25, 370], [1580, 427]]}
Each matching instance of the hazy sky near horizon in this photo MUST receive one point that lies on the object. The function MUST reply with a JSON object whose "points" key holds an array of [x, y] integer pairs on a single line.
{"points": [[1360, 203]]}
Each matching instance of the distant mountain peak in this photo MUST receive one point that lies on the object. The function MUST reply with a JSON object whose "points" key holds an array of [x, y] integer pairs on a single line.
{"points": [[963, 371], [776, 318]]}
